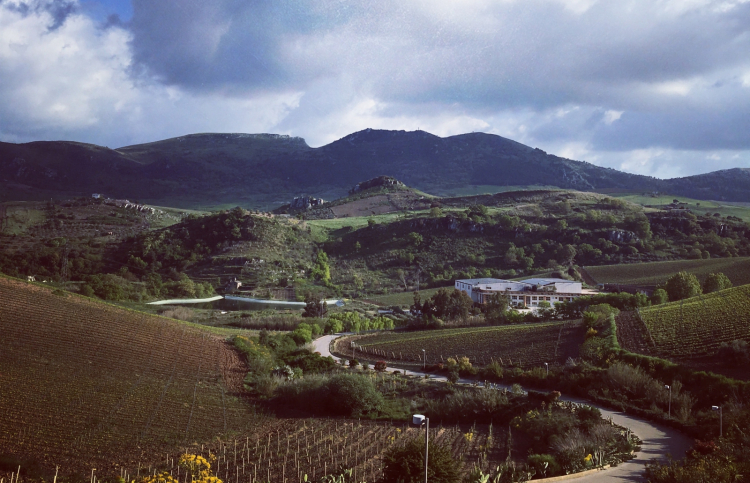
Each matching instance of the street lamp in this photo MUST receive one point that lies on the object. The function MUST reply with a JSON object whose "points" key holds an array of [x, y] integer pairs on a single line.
{"points": [[424, 360], [420, 420], [721, 425], [546, 364], [670, 399], [354, 350]]}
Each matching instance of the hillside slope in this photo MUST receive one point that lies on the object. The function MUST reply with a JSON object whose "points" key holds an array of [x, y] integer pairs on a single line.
{"points": [[257, 169], [85, 385], [693, 331]]}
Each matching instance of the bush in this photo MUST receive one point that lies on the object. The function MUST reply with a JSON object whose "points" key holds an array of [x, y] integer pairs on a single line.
{"points": [[493, 370], [483, 405], [353, 395], [405, 464], [660, 296], [453, 376], [735, 352], [682, 285], [544, 465], [380, 366], [715, 282]]}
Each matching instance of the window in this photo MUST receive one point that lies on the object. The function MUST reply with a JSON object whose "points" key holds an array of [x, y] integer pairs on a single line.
{"points": [[547, 298], [533, 298]]}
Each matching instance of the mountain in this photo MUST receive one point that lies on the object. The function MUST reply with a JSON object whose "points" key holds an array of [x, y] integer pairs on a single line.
{"points": [[256, 169]]}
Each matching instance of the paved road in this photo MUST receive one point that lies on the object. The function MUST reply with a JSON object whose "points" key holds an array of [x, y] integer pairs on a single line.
{"points": [[658, 441]]}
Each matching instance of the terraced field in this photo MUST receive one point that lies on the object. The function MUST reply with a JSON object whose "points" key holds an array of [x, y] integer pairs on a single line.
{"points": [[655, 273], [528, 345], [86, 385], [696, 327]]}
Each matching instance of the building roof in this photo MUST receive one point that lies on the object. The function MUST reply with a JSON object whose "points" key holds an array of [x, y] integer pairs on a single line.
{"points": [[547, 281], [478, 281]]}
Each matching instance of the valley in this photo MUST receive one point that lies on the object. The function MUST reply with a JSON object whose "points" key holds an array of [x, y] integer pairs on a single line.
{"points": [[96, 376]]}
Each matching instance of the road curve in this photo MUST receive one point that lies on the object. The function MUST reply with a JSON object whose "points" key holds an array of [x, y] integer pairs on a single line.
{"points": [[658, 441]]}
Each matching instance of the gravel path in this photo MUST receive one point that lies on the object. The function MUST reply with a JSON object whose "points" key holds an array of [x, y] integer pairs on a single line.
{"points": [[658, 441]]}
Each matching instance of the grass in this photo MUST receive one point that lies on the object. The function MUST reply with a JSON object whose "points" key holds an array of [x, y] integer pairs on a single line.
{"points": [[655, 273], [404, 298], [473, 190], [699, 207], [19, 217]]}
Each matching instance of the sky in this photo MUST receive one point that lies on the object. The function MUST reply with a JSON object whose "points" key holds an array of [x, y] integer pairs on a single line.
{"points": [[654, 87]]}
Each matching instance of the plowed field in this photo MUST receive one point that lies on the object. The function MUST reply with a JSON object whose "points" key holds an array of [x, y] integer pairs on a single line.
{"points": [[85, 385], [528, 344]]}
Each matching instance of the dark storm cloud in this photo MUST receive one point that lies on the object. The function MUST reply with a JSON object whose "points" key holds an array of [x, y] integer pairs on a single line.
{"points": [[59, 10], [625, 84]]}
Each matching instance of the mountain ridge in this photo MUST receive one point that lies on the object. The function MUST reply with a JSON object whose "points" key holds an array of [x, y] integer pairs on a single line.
{"points": [[252, 169]]}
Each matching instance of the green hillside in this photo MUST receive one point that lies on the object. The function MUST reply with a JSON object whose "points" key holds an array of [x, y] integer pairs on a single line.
{"points": [[655, 273], [699, 325]]}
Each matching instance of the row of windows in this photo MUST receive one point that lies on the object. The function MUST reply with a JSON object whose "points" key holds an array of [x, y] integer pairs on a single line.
{"points": [[535, 298]]}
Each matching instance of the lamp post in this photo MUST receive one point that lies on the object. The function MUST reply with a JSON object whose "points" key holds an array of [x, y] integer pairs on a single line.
{"points": [[420, 420], [670, 399], [546, 364], [721, 424], [424, 360], [354, 350]]}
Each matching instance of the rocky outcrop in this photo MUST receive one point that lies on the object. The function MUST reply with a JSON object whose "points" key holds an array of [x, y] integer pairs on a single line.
{"points": [[305, 203]]}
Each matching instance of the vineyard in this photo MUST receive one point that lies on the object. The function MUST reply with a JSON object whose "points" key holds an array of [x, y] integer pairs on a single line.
{"points": [[85, 385], [523, 345], [305, 450], [655, 273], [697, 326]]}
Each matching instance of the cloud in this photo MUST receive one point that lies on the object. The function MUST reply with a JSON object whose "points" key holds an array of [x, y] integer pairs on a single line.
{"points": [[645, 86]]}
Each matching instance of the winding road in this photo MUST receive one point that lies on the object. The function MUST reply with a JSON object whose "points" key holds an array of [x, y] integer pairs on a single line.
{"points": [[658, 441]]}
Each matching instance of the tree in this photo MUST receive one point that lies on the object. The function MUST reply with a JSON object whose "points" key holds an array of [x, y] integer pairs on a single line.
{"points": [[566, 254], [682, 285], [446, 303], [353, 395], [321, 270], [315, 306], [715, 282], [660, 296], [495, 307], [405, 464]]}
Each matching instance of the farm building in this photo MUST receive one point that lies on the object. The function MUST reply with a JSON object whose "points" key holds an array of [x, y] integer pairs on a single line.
{"points": [[526, 293]]}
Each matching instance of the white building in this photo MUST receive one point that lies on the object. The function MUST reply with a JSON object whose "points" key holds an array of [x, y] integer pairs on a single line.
{"points": [[524, 293]]}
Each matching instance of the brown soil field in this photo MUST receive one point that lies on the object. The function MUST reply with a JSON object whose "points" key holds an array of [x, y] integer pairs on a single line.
{"points": [[86, 385], [526, 345], [380, 204]]}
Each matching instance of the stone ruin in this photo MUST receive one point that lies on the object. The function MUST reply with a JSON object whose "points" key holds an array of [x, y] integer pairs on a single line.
{"points": [[305, 202]]}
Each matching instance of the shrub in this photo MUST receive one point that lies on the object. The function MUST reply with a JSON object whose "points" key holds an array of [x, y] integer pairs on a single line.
{"points": [[353, 395], [735, 352], [682, 285], [380, 366], [493, 370], [453, 376], [660, 296], [715, 282], [482, 404], [544, 465], [405, 464]]}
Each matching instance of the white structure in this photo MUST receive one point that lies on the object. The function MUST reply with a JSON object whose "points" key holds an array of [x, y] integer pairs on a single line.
{"points": [[525, 293]]}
